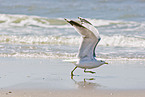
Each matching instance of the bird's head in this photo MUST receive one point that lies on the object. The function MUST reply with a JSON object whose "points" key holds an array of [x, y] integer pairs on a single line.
{"points": [[102, 62]]}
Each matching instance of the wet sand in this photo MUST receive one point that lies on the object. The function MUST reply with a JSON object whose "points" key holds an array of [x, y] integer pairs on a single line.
{"points": [[32, 77]]}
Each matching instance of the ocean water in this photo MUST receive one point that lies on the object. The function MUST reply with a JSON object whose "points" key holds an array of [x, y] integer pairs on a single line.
{"points": [[36, 28]]}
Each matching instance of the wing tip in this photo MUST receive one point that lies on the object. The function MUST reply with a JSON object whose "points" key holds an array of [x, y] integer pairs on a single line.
{"points": [[67, 20], [80, 18], [84, 20], [73, 23]]}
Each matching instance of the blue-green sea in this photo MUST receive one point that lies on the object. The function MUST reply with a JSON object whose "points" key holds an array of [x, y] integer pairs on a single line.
{"points": [[36, 28]]}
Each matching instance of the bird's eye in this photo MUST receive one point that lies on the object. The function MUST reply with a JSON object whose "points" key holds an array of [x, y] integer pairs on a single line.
{"points": [[101, 61]]}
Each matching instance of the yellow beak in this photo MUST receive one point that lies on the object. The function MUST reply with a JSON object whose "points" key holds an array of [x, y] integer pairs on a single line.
{"points": [[105, 63]]}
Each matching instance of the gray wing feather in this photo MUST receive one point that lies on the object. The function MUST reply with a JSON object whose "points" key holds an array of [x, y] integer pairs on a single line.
{"points": [[89, 26], [89, 40]]}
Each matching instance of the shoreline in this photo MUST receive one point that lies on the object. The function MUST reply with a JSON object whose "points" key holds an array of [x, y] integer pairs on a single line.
{"points": [[31, 77]]}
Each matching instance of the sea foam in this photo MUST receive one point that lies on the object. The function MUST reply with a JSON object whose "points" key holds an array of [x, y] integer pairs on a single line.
{"points": [[114, 41], [25, 20]]}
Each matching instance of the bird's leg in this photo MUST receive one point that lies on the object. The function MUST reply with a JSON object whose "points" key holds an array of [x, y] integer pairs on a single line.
{"points": [[89, 71], [73, 71]]}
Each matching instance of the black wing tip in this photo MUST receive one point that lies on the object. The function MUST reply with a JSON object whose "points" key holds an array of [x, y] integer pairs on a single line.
{"points": [[84, 20], [67, 20], [80, 18], [73, 22], [76, 23]]}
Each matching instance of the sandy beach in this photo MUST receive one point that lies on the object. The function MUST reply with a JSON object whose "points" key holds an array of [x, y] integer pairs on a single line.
{"points": [[35, 39], [70, 93], [36, 77]]}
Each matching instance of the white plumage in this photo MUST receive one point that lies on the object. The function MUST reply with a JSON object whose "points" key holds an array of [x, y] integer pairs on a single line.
{"points": [[90, 39]]}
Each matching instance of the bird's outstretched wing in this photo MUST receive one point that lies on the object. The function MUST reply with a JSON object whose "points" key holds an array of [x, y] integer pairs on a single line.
{"points": [[89, 42], [89, 26]]}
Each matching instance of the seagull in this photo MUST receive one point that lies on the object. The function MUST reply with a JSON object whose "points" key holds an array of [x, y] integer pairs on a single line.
{"points": [[90, 38]]}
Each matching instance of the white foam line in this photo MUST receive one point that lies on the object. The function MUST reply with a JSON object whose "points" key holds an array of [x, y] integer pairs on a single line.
{"points": [[116, 40], [125, 59], [23, 20]]}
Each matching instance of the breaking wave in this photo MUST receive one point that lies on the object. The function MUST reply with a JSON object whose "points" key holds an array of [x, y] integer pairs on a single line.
{"points": [[64, 56], [7, 20], [115, 41], [20, 37]]}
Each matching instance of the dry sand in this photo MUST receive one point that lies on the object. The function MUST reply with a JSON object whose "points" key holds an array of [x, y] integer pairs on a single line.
{"points": [[73, 93]]}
